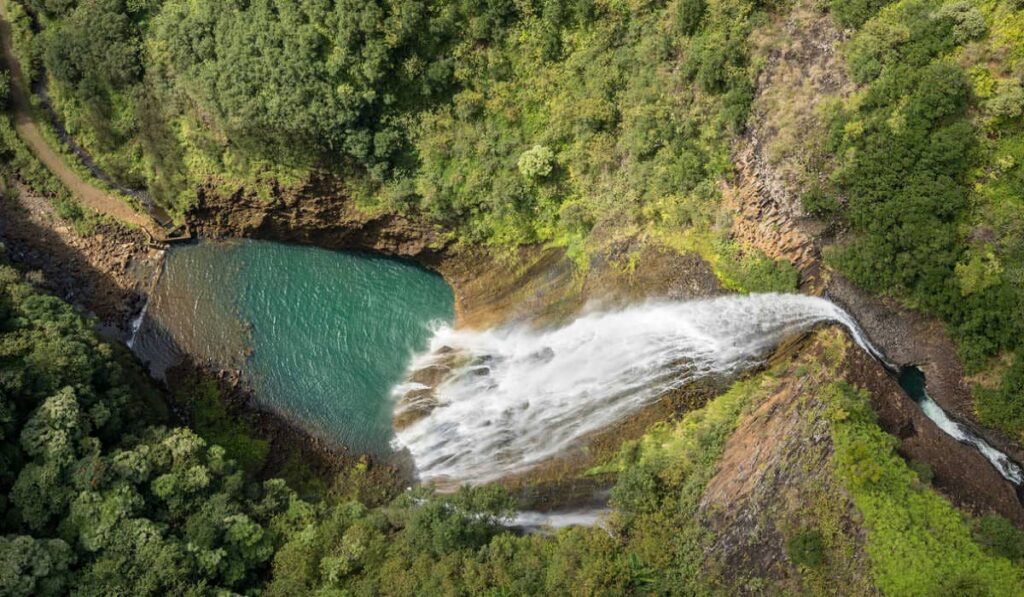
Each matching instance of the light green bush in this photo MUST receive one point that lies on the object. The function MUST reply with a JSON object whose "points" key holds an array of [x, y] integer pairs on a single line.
{"points": [[536, 162]]}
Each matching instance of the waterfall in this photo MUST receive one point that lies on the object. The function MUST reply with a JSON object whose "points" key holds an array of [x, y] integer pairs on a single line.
{"points": [[511, 398], [482, 405], [136, 325], [533, 522]]}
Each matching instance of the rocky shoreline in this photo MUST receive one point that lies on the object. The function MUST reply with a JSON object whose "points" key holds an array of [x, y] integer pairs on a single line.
{"points": [[106, 273]]}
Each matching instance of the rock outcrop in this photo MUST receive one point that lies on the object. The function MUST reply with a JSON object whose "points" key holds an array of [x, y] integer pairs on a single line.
{"points": [[316, 213], [773, 158]]}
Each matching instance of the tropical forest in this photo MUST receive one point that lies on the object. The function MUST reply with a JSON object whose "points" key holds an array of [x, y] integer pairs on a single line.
{"points": [[512, 297]]}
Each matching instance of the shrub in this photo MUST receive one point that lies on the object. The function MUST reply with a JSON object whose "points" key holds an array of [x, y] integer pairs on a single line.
{"points": [[636, 490], [968, 22], [854, 13], [1008, 100], [755, 272], [1000, 537], [979, 272], [923, 470], [689, 14], [1003, 406], [807, 548], [819, 203]]}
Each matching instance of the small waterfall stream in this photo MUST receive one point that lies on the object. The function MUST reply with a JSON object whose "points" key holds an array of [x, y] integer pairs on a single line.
{"points": [[136, 325], [912, 380], [513, 397]]}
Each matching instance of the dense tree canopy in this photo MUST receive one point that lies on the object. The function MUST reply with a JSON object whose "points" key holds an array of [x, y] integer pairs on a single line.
{"points": [[422, 107], [927, 175], [336, 78]]}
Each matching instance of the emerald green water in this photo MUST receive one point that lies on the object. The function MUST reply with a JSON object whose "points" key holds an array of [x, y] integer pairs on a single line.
{"points": [[321, 336]]}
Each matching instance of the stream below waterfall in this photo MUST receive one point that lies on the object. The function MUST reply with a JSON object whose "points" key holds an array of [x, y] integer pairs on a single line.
{"points": [[913, 382]]}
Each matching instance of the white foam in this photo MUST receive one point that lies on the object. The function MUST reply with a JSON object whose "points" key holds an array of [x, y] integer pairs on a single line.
{"points": [[523, 396]]}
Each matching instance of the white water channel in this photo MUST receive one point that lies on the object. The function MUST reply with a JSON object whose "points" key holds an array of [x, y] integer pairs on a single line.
{"points": [[521, 396], [1006, 467], [518, 396], [136, 325]]}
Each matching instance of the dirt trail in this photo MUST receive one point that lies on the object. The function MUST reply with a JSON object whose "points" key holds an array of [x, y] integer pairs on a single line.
{"points": [[87, 194]]}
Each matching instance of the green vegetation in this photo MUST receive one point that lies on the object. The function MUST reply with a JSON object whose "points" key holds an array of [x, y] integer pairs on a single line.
{"points": [[927, 169], [210, 419], [99, 498], [918, 543], [506, 122], [18, 163], [807, 548], [906, 143], [1003, 405], [1000, 538]]}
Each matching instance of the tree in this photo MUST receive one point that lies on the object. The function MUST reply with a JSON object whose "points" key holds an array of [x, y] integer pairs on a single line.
{"points": [[536, 162], [30, 566]]}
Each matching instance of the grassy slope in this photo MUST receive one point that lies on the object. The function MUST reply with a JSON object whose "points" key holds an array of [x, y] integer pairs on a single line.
{"points": [[917, 543]]}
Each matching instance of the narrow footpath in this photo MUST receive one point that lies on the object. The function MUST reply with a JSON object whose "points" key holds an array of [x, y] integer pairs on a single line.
{"points": [[87, 194]]}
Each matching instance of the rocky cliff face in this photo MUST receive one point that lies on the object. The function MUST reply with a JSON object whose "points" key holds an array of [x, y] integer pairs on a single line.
{"points": [[775, 479], [779, 158], [316, 213], [107, 272], [774, 157], [776, 475], [911, 338]]}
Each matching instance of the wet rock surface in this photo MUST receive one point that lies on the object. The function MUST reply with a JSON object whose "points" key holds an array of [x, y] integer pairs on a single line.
{"points": [[961, 471], [107, 272], [418, 394]]}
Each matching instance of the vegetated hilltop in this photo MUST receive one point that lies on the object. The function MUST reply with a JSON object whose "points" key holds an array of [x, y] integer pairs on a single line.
{"points": [[888, 135]]}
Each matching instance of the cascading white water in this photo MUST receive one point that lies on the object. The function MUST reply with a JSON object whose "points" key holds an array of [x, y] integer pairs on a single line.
{"points": [[542, 521], [1007, 468], [519, 396], [137, 325]]}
